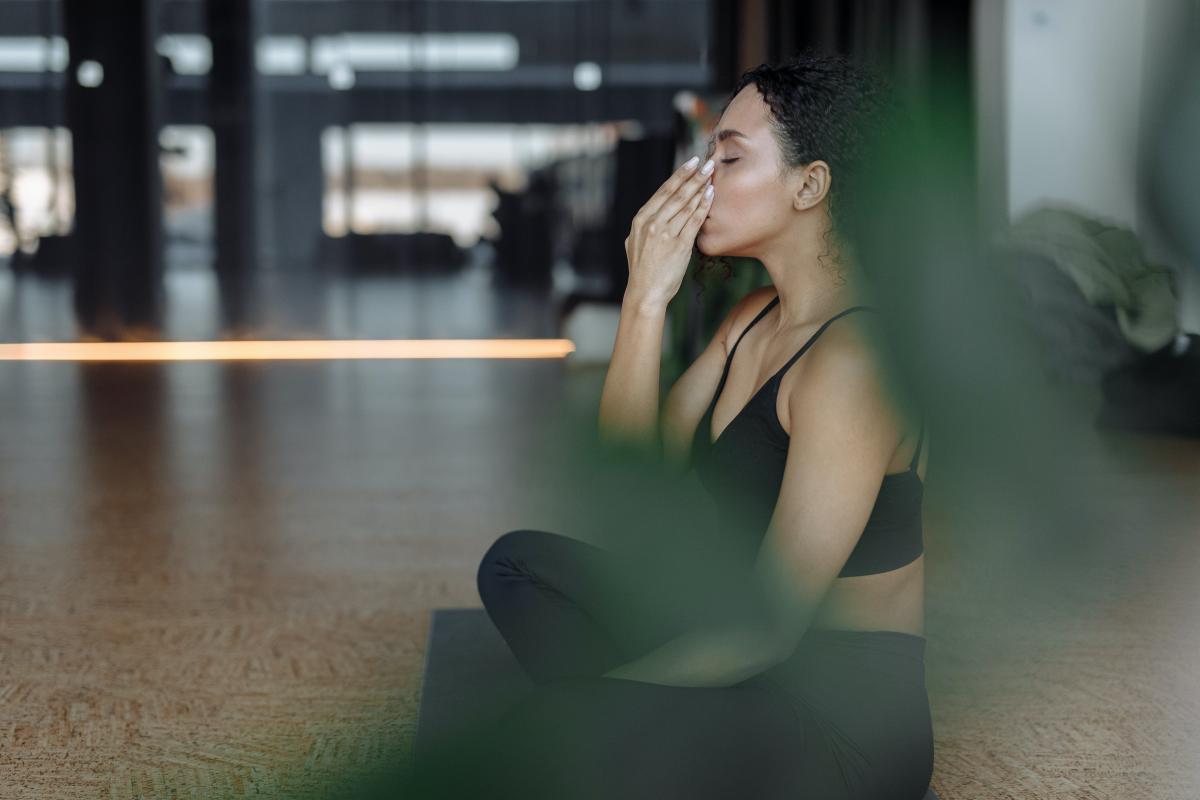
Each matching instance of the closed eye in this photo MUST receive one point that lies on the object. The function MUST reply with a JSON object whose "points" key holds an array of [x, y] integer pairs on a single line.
{"points": [[728, 160]]}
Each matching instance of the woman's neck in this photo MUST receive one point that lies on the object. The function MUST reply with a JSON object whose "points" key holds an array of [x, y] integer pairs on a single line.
{"points": [[811, 291], [814, 275]]}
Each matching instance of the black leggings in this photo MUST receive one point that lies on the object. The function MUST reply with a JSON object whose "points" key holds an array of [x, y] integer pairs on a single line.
{"points": [[847, 716]]}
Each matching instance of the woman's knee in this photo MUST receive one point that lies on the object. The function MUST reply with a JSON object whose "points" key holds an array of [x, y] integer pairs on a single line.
{"points": [[519, 544]]}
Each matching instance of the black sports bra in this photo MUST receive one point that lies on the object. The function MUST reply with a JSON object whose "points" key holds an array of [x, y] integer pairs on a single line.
{"points": [[743, 471]]}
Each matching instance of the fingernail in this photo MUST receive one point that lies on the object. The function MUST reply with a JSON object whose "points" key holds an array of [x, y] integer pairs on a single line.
{"points": [[691, 162], [708, 167], [708, 193]]}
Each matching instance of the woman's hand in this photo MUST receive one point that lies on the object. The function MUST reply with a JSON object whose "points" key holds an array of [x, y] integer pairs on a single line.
{"points": [[659, 245]]}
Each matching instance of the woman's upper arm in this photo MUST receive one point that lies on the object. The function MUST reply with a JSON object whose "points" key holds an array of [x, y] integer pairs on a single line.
{"points": [[691, 393], [843, 433]]}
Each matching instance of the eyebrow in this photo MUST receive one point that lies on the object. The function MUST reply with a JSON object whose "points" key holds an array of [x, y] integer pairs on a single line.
{"points": [[723, 134]]}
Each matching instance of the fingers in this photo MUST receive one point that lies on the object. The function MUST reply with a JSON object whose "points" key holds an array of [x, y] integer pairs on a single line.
{"points": [[698, 204], [688, 169], [683, 195], [676, 223], [691, 225]]}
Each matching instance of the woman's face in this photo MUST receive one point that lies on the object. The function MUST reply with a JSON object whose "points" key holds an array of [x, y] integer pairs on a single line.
{"points": [[751, 204]]}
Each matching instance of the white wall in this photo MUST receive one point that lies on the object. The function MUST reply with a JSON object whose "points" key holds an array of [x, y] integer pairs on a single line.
{"points": [[1074, 86], [1074, 79]]}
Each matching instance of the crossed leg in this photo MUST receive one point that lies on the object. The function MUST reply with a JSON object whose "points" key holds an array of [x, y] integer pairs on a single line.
{"points": [[570, 611], [568, 608]]}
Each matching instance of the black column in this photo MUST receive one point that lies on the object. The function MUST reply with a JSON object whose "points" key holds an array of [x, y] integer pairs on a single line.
{"points": [[232, 94], [723, 42], [118, 187]]}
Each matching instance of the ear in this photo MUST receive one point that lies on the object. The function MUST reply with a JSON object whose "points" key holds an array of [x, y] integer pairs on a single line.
{"points": [[814, 185]]}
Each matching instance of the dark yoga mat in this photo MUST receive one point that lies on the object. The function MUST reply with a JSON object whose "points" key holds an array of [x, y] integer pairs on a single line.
{"points": [[468, 666]]}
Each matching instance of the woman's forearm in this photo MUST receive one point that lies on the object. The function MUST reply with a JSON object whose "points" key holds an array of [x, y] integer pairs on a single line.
{"points": [[629, 400], [704, 657]]}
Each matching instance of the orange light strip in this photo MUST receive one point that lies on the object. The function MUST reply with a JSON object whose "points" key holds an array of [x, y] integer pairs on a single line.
{"points": [[286, 349]]}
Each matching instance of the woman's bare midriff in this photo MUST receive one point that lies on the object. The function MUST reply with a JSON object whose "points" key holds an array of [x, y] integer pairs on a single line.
{"points": [[892, 600], [885, 601]]}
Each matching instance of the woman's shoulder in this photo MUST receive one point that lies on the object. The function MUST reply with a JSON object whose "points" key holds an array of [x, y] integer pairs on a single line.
{"points": [[844, 358], [851, 343]]}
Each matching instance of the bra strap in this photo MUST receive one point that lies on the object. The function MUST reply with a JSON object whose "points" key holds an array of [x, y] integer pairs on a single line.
{"points": [[753, 322], [819, 331], [920, 439], [729, 358]]}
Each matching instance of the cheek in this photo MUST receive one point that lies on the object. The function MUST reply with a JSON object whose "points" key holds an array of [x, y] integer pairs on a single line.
{"points": [[740, 193], [740, 204]]}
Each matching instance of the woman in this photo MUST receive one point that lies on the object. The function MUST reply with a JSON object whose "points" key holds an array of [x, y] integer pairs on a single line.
{"points": [[818, 689]]}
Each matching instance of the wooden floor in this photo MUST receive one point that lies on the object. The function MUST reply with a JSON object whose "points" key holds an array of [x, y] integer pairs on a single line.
{"points": [[220, 576], [216, 580]]}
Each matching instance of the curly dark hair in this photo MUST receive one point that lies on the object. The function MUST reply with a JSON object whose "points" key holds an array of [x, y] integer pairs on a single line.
{"points": [[823, 106]]}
